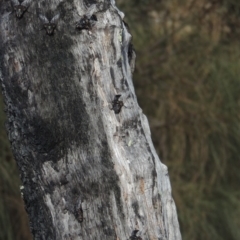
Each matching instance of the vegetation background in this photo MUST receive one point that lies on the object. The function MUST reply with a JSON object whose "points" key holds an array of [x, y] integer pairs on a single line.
{"points": [[187, 80]]}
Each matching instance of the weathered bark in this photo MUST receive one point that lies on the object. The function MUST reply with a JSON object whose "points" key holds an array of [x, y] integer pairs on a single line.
{"points": [[88, 172]]}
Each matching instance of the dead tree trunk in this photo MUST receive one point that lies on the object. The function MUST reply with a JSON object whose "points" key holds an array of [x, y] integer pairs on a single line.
{"points": [[85, 156]]}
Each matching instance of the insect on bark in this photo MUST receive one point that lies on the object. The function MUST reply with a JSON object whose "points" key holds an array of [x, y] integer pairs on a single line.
{"points": [[49, 24], [20, 7], [134, 235], [88, 20], [116, 104]]}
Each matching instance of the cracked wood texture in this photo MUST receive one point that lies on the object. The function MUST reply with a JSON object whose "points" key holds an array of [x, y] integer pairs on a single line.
{"points": [[87, 172]]}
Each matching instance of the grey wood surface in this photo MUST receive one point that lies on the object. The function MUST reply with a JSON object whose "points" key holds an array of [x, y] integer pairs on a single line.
{"points": [[88, 171]]}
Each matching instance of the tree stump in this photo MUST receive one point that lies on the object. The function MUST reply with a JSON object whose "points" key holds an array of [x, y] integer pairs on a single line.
{"points": [[81, 142]]}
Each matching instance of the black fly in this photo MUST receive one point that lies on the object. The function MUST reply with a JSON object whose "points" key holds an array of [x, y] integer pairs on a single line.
{"points": [[20, 7], [49, 24], [86, 23], [88, 20], [116, 104], [134, 235]]}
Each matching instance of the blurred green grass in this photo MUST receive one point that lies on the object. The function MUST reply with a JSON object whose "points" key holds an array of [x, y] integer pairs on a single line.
{"points": [[187, 79], [13, 218]]}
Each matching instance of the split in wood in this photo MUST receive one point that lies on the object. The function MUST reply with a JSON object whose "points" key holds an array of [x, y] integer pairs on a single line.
{"points": [[78, 213]]}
